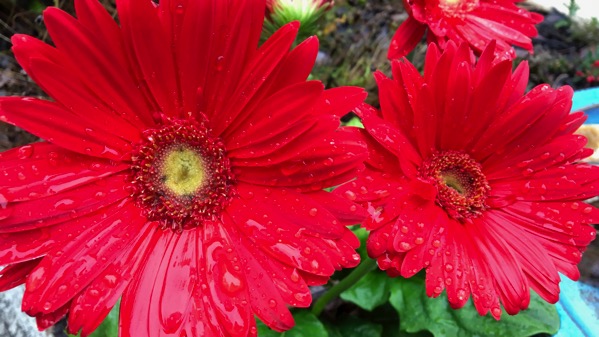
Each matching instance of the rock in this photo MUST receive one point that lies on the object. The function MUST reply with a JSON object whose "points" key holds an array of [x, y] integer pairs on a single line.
{"points": [[13, 322]]}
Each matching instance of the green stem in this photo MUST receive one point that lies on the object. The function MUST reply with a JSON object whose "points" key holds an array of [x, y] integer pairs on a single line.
{"points": [[356, 275]]}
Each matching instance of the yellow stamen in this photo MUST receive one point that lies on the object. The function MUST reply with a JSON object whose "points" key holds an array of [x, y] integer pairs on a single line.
{"points": [[183, 171]]}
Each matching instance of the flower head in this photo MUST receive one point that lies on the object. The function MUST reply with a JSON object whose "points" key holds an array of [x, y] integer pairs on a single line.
{"points": [[475, 181], [476, 22], [306, 12], [183, 170]]}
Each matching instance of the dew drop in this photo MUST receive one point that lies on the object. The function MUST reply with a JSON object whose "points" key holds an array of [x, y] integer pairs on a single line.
{"points": [[272, 303], [65, 204], [461, 294], [231, 283], [404, 246], [313, 211], [47, 306], [36, 278], [436, 243], [25, 152], [587, 210], [110, 280], [300, 297], [219, 63], [350, 195], [353, 208], [404, 229], [418, 240], [172, 322], [315, 264], [294, 276], [3, 201], [449, 267], [496, 312]]}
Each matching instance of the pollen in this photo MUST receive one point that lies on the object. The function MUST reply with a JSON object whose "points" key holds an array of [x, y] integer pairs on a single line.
{"points": [[183, 171]]}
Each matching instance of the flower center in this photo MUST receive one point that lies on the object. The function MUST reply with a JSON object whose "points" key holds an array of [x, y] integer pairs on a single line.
{"points": [[462, 188], [181, 175], [457, 8]]}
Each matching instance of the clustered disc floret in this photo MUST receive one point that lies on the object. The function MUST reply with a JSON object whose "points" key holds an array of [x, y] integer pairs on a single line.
{"points": [[461, 185], [181, 175]]}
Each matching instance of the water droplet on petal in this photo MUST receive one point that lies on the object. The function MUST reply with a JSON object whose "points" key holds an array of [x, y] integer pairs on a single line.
{"points": [[110, 280], [219, 63], [350, 195], [313, 211], [65, 204], [230, 282], [294, 276], [25, 152], [36, 278]]}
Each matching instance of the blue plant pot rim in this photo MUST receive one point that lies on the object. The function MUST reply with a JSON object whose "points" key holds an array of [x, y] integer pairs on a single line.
{"points": [[588, 101]]}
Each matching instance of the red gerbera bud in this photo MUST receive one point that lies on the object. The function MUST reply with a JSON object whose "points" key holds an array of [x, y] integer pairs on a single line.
{"points": [[474, 21], [183, 170], [475, 181]]}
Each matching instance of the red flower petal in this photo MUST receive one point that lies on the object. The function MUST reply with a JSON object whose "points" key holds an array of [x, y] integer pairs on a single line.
{"points": [[63, 206], [16, 274], [60, 127], [47, 290], [90, 307], [63, 170], [405, 39]]}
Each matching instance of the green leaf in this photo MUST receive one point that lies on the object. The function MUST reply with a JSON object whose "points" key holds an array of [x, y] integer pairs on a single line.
{"points": [[354, 327], [306, 325], [355, 122], [419, 312], [110, 325], [370, 292]]}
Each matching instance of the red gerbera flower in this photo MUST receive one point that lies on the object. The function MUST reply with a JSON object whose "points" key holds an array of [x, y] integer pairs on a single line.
{"points": [[475, 181], [184, 169], [476, 22]]}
